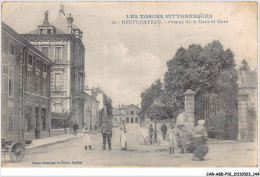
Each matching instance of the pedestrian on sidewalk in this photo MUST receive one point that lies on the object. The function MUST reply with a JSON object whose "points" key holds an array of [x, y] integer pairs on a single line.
{"points": [[172, 138], [164, 131], [200, 136], [151, 133], [181, 137], [86, 137], [75, 128], [123, 140], [106, 131]]}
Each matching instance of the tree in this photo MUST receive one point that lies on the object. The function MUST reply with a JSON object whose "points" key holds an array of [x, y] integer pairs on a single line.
{"points": [[206, 70], [149, 95], [158, 111], [244, 65]]}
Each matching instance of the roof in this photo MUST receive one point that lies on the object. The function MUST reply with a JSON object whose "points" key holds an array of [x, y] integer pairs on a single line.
{"points": [[247, 79], [60, 23], [98, 90], [19, 37], [117, 112], [127, 106]]}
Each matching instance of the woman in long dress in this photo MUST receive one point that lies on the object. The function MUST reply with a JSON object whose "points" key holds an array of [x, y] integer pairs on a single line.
{"points": [[200, 136], [171, 138], [86, 137], [181, 137], [123, 141]]}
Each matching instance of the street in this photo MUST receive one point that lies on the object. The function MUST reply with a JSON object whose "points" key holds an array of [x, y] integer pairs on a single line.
{"points": [[72, 154]]}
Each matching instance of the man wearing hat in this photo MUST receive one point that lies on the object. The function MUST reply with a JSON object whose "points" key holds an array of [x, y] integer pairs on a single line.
{"points": [[106, 131]]}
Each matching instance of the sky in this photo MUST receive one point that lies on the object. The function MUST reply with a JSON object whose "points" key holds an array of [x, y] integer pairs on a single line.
{"points": [[124, 60]]}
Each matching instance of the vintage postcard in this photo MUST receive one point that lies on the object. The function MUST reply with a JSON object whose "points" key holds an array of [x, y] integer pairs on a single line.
{"points": [[129, 84]]}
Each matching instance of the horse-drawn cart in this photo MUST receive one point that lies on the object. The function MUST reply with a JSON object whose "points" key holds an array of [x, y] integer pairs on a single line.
{"points": [[16, 150]]}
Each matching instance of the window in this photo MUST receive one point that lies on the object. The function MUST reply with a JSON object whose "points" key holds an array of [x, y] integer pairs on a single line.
{"points": [[30, 60], [127, 112], [57, 81], [41, 31], [57, 107], [28, 119], [48, 31], [11, 48], [5, 45], [37, 79], [58, 54], [45, 51], [11, 82], [115, 119], [37, 63], [132, 112], [43, 119], [44, 82], [5, 78], [136, 120], [44, 67], [29, 80], [10, 119]]}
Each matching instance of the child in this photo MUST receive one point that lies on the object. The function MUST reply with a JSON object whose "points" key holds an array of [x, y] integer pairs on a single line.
{"points": [[181, 137], [171, 138], [87, 140]]}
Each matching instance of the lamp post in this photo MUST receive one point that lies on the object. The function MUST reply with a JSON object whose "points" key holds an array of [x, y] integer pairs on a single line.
{"points": [[156, 102]]}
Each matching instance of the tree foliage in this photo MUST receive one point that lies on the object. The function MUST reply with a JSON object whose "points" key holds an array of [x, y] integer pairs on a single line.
{"points": [[244, 65], [209, 69], [149, 95]]}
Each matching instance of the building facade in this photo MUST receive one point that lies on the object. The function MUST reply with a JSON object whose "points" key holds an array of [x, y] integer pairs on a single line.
{"points": [[25, 88], [105, 106], [91, 109], [128, 113], [247, 104], [61, 41]]}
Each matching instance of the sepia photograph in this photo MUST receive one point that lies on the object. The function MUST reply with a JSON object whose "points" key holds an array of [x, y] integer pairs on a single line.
{"points": [[129, 84]]}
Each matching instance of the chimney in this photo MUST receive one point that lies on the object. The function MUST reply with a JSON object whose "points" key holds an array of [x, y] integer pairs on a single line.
{"points": [[62, 9], [70, 20], [46, 16]]}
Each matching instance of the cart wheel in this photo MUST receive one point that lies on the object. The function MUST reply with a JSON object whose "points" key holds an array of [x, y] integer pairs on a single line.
{"points": [[17, 152]]}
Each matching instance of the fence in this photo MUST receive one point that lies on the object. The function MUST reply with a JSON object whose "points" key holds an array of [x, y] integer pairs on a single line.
{"points": [[207, 105]]}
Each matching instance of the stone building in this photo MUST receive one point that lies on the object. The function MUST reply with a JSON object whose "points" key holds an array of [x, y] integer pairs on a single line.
{"points": [[128, 113], [105, 106], [25, 90], [91, 109], [61, 41], [247, 104]]}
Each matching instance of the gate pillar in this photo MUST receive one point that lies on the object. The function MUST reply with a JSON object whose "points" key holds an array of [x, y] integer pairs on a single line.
{"points": [[190, 109], [242, 116]]}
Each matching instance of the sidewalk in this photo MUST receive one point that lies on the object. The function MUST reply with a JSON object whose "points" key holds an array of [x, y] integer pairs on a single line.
{"points": [[52, 140]]}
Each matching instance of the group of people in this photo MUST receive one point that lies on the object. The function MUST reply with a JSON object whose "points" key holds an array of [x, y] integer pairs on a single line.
{"points": [[198, 138], [175, 136]]}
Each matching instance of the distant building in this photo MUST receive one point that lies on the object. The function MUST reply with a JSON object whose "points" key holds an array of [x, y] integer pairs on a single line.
{"points": [[105, 106], [61, 40], [25, 93], [248, 86], [91, 109], [128, 113]]}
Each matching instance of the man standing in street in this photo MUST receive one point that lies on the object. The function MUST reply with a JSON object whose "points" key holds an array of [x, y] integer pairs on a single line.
{"points": [[151, 133], [164, 131], [106, 131], [75, 128]]}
